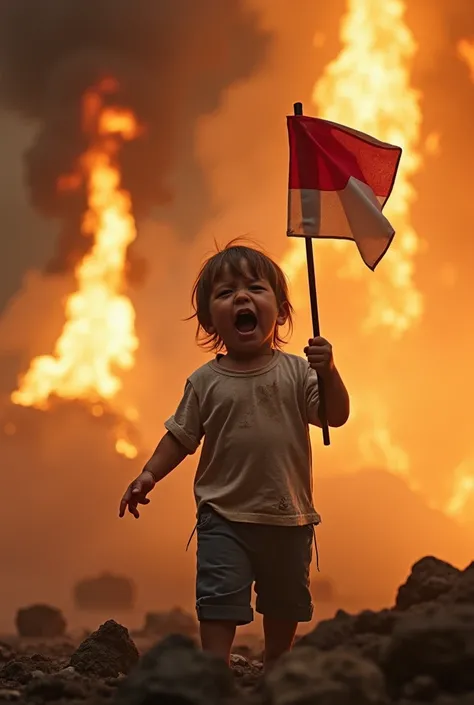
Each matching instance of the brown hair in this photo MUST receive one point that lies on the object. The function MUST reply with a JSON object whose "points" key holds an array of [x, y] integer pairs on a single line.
{"points": [[260, 265]]}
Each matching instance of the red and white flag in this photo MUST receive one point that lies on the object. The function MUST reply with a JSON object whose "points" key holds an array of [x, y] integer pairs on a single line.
{"points": [[340, 179]]}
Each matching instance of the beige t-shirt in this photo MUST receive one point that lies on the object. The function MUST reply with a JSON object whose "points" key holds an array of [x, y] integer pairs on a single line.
{"points": [[255, 463]]}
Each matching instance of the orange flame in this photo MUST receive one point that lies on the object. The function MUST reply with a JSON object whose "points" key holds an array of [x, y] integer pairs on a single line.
{"points": [[466, 53], [367, 87], [461, 501], [99, 336]]}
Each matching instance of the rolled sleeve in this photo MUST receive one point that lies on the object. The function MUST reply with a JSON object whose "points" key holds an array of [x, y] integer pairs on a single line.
{"points": [[185, 425], [312, 397]]}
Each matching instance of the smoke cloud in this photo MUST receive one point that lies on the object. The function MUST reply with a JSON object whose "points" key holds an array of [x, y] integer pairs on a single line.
{"points": [[172, 60]]}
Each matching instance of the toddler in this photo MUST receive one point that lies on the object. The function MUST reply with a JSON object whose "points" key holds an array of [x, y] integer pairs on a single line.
{"points": [[251, 407]]}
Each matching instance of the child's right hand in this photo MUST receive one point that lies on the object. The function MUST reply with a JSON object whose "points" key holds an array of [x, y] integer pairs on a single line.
{"points": [[136, 494]]}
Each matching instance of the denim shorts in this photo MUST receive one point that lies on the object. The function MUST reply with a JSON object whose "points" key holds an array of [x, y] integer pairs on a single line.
{"points": [[233, 556]]}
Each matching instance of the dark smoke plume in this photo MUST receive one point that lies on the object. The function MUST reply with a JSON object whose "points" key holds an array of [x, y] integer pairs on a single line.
{"points": [[172, 60]]}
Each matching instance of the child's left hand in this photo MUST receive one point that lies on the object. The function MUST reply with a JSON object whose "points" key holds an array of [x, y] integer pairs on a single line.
{"points": [[319, 354]]}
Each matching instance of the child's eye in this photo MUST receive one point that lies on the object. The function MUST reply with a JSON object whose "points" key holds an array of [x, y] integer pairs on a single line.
{"points": [[224, 292], [257, 287]]}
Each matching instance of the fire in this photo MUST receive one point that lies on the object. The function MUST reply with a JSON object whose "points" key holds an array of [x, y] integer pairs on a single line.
{"points": [[379, 449], [126, 448], [466, 53], [461, 500], [368, 87], [98, 338]]}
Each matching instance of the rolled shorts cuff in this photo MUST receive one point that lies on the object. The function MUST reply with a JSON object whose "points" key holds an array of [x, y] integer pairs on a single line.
{"points": [[226, 613]]}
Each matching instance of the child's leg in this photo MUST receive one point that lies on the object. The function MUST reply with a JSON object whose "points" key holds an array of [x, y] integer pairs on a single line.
{"points": [[279, 637], [282, 585], [223, 583], [217, 637]]}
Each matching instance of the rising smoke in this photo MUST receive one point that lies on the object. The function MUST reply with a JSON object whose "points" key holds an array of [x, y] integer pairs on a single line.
{"points": [[172, 59]]}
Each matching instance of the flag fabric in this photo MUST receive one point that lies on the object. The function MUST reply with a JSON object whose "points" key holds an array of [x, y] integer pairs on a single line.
{"points": [[339, 182]]}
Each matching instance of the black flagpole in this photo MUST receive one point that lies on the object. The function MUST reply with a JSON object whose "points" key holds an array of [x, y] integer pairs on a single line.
{"points": [[298, 110]]}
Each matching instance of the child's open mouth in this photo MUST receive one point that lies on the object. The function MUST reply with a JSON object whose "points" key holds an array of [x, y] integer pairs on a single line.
{"points": [[246, 321]]}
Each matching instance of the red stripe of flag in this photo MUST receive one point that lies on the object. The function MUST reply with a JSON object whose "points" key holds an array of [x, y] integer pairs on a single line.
{"points": [[339, 182], [324, 155]]}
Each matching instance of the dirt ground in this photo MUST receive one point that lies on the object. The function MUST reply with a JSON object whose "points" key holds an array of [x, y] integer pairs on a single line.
{"points": [[419, 651]]}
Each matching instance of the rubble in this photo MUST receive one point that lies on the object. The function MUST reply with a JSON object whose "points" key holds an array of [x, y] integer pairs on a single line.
{"points": [[439, 646], [40, 621], [338, 677], [423, 646], [419, 651], [9, 695], [54, 688], [107, 652], [429, 579], [177, 671], [247, 672]]}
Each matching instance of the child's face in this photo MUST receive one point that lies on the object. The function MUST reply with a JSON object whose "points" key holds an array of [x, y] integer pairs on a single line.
{"points": [[244, 311]]}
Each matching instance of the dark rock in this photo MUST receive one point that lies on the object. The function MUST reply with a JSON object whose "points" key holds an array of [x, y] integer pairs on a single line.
{"points": [[176, 672], [106, 653], [306, 676], [462, 591], [371, 646], [367, 633], [9, 695], [369, 622], [16, 672], [239, 664], [330, 633], [421, 689], [106, 591], [429, 579], [440, 646], [424, 646], [114, 682], [105, 690], [50, 688], [6, 653], [21, 669], [247, 672], [40, 621], [68, 672], [424, 609]]}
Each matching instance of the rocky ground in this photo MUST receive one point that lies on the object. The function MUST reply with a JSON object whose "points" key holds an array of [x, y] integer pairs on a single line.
{"points": [[419, 651]]}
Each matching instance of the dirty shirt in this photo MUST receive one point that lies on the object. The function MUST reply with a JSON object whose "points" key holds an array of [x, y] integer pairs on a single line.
{"points": [[255, 463]]}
